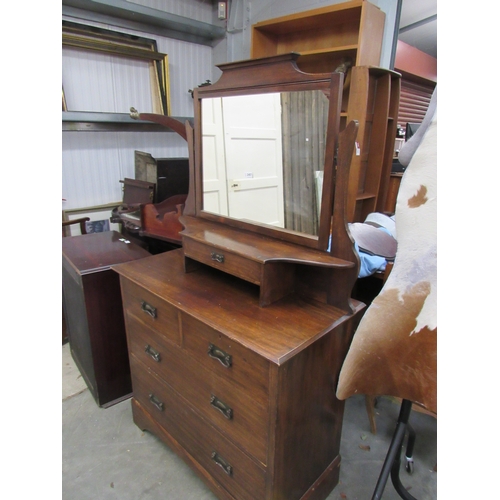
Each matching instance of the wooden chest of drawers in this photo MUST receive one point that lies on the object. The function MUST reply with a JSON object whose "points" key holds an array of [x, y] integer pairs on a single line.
{"points": [[244, 394]]}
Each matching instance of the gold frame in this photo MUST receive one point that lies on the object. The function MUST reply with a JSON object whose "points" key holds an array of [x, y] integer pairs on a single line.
{"points": [[123, 45]]}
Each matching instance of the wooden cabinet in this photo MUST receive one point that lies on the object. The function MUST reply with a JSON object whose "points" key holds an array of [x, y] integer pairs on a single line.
{"points": [[324, 37], [93, 310], [170, 176], [244, 394], [327, 37]]}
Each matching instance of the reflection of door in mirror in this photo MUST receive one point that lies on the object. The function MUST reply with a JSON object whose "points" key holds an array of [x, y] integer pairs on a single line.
{"points": [[261, 155], [242, 159], [214, 158]]}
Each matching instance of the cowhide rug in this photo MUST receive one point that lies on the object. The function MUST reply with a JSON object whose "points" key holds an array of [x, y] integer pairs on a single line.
{"points": [[394, 350]]}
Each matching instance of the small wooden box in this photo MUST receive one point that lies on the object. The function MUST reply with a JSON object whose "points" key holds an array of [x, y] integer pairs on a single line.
{"points": [[170, 175]]}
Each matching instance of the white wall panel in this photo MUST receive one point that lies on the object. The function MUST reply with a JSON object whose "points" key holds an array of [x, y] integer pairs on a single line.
{"points": [[189, 65], [100, 82], [93, 163]]}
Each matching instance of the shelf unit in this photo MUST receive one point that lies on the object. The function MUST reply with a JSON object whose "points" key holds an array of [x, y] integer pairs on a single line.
{"points": [[330, 36], [373, 100], [324, 37]]}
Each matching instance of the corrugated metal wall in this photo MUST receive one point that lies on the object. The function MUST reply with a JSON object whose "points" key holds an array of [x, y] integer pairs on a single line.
{"points": [[414, 101], [93, 163]]}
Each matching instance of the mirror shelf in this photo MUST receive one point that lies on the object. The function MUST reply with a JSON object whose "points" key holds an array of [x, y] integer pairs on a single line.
{"points": [[261, 260], [271, 252]]}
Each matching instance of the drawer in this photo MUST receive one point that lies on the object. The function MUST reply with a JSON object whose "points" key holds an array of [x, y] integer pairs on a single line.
{"points": [[150, 310], [237, 265], [245, 369], [229, 408], [234, 470]]}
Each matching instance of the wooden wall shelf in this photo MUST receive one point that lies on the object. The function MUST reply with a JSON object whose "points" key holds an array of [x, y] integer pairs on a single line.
{"points": [[86, 121]]}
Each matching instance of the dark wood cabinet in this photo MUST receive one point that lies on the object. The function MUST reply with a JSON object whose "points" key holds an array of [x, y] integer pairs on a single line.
{"points": [[94, 313], [170, 176]]}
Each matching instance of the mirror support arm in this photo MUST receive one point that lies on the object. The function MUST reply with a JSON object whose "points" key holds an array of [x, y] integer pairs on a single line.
{"points": [[329, 165], [342, 245]]}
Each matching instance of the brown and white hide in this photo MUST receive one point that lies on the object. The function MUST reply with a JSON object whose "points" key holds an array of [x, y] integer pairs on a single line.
{"points": [[394, 349]]}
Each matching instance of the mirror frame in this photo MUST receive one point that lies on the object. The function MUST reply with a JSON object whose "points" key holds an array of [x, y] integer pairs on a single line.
{"points": [[257, 76]]}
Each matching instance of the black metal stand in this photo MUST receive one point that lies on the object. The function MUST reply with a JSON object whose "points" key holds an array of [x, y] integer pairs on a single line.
{"points": [[392, 462]]}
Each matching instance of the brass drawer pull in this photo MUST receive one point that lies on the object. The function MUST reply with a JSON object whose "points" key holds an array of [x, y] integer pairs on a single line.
{"points": [[148, 309], [221, 406], [153, 353], [222, 463], [153, 399], [218, 257], [220, 355]]}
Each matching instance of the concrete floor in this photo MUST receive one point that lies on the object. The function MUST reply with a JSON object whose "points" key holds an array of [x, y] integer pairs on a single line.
{"points": [[105, 456]]}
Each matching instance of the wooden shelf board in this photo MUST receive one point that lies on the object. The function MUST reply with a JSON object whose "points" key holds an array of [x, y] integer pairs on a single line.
{"points": [[364, 196], [333, 15], [89, 121]]}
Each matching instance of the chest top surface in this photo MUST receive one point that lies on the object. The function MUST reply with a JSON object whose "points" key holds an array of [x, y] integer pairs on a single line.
{"points": [[94, 252], [231, 305]]}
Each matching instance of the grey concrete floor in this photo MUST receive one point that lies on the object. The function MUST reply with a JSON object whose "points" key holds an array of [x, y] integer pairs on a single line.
{"points": [[105, 456]]}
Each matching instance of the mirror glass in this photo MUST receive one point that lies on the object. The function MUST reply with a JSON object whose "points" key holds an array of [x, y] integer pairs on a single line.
{"points": [[263, 157]]}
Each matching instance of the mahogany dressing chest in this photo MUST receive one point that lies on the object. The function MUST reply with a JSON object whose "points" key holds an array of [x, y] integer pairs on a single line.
{"points": [[236, 339]]}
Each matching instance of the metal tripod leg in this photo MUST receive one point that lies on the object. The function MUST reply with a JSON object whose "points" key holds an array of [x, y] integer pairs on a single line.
{"points": [[393, 459]]}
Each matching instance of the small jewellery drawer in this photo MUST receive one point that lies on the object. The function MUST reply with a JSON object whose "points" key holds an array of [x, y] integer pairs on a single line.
{"points": [[151, 311], [237, 265], [232, 410], [234, 470]]}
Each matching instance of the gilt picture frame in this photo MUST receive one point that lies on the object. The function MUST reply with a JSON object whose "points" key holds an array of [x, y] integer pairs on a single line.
{"points": [[91, 38]]}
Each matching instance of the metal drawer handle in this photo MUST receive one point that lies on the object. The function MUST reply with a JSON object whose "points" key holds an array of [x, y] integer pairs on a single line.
{"points": [[222, 463], [220, 355], [148, 309], [153, 353], [153, 399], [221, 406], [218, 257]]}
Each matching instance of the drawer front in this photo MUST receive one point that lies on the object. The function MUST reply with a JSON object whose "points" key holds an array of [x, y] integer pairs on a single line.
{"points": [[245, 369], [234, 470], [229, 408], [151, 311], [225, 261]]}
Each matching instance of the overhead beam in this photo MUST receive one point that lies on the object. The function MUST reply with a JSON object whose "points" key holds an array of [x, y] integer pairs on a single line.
{"points": [[422, 22], [139, 17]]}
